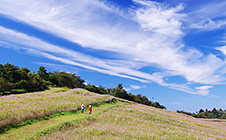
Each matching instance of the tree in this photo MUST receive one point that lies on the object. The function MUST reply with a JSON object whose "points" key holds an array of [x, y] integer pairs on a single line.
{"points": [[70, 80], [35, 83], [53, 78], [5, 85], [223, 116], [157, 105], [119, 92], [201, 110], [43, 73], [201, 115], [100, 89], [214, 113], [1, 70], [10, 73]]}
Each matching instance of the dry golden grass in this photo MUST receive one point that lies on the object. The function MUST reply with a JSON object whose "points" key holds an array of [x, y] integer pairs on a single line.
{"points": [[142, 122], [18, 108]]}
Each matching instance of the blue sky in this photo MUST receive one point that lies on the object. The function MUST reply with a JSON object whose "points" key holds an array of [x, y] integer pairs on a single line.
{"points": [[171, 50]]}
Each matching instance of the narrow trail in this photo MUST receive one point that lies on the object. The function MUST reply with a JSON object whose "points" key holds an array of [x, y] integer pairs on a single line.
{"points": [[27, 132]]}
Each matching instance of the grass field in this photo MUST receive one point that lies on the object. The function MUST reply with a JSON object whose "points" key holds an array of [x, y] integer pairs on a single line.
{"points": [[19, 108], [108, 121], [60, 122], [142, 122]]}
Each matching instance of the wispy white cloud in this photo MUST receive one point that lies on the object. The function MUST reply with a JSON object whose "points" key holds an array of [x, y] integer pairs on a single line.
{"points": [[153, 17], [209, 24], [150, 35], [204, 90], [89, 23], [16, 40], [209, 16], [137, 87], [222, 49]]}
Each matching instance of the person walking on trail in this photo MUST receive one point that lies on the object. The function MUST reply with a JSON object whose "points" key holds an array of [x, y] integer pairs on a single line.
{"points": [[90, 109], [82, 107]]}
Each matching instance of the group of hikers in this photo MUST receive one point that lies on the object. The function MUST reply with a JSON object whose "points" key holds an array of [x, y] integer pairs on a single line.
{"points": [[90, 107], [83, 107]]}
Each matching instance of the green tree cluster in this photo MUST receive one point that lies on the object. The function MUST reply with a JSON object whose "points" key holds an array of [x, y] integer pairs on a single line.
{"points": [[212, 114], [96, 89], [63, 79], [121, 93], [187, 113], [15, 80], [220, 114]]}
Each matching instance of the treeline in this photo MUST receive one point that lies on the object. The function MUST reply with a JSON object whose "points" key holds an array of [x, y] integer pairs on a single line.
{"points": [[219, 114], [121, 93], [14, 80]]}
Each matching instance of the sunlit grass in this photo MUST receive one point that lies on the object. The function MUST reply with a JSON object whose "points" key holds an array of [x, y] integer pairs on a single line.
{"points": [[61, 122], [125, 122], [142, 122], [18, 108], [56, 89]]}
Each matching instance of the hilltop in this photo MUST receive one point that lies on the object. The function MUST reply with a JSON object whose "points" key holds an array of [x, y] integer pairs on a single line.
{"points": [[15, 80]]}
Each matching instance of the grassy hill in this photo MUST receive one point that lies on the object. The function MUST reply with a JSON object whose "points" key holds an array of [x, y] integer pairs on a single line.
{"points": [[118, 120], [143, 122], [15, 109]]}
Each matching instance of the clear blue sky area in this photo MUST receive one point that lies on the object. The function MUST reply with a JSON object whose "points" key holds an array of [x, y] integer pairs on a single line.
{"points": [[171, 51]]}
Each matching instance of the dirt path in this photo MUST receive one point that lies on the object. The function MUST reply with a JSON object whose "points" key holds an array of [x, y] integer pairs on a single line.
{"points": [[38, 128]]}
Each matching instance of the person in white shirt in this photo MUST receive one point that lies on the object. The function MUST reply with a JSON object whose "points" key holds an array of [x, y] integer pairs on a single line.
{"points": [[82, 107]]}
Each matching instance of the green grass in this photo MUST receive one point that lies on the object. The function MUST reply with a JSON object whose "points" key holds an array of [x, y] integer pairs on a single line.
{"points": [[23, 91], [14, 91], [56, 89]]}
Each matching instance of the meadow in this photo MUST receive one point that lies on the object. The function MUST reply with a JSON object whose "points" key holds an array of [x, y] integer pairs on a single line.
{"points": [[138, 121], [15, 109], [120, 120]]}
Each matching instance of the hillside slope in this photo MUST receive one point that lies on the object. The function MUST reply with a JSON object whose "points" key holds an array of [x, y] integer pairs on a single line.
{"points": [[138, 121], [19, 108], [40, 128]]}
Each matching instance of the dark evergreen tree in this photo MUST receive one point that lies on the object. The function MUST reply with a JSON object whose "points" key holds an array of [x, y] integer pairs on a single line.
{"points": [[43, 73], [201, 110]]}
